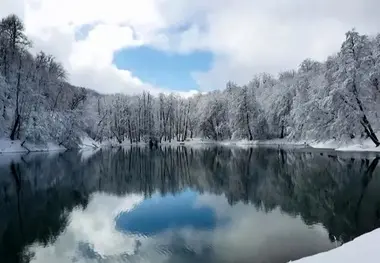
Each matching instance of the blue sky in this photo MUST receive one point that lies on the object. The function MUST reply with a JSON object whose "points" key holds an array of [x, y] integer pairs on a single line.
{"points": [[82, 32], [164, 69]]}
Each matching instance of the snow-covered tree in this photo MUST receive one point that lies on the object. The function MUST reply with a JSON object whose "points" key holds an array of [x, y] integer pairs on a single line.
{"points": [[355, 89]]}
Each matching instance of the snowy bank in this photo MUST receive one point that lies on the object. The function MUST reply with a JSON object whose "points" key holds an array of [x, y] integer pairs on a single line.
{"points": [[193, 142], [87, 142], [8, 146], [17, 146], [350, 146], [363, 249], [274, 142]]}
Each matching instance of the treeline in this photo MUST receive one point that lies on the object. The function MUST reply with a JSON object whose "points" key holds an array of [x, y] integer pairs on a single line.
{"points": [[337, 99]]}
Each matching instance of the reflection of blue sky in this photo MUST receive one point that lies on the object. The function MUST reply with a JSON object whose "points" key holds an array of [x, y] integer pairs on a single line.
{"points": [[161, 213]]}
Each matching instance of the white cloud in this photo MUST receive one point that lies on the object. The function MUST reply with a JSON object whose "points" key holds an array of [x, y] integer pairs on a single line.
{"points": [[11, 7], [98, 48], [250, 36], [53, 24], [246, 36]]}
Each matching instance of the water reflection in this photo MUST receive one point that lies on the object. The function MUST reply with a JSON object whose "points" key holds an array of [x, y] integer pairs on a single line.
{"points": [[172, 212], [184, 205]]}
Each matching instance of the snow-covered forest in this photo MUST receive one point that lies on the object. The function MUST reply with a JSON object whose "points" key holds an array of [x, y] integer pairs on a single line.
{"points": [[336, 99]]}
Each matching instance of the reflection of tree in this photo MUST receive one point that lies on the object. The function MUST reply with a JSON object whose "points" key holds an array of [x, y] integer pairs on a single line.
{"points": [[34, 206], [38, 193], [320, 187]]}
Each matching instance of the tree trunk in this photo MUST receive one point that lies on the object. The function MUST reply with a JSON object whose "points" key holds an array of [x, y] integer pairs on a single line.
{"points": [[215, 133], [375, 83], [170, 132], [117, 138], [56, 98], [365, 122], [4, 111], [369, 131], [185, 132], [15, 127], [5, 64], [130, 131], [16, 124], [282, 130], [249, 128]]}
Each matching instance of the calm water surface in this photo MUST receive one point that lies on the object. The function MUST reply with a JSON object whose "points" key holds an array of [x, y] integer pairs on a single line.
{"points": [[184, 205]]}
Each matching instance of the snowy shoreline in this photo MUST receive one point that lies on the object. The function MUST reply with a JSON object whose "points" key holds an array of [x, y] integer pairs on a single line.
{"points": [[8, 146], [362, 249], [352, 146], [12, 147]]}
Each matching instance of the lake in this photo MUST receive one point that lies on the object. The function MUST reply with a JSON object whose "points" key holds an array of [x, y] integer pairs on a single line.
{"points": [[207, 204]]}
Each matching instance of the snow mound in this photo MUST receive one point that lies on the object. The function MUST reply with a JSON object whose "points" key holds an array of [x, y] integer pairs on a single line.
{"points": [[363, 249], [350, 146], [87, 142], [330, 144], [8, 146], [359, 148]]}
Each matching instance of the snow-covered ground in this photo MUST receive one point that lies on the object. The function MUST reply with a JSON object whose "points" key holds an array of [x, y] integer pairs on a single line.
{"points": [[87, 142], [350, 146], [194, 142], [8, 146], [88, 148], [17, 146], [274, 142], [364, 249]]}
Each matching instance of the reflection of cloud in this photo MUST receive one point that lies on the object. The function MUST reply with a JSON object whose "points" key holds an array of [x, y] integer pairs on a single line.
{"points": [[94, 226], [218, 203], [256, 236], [249, 236]]}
